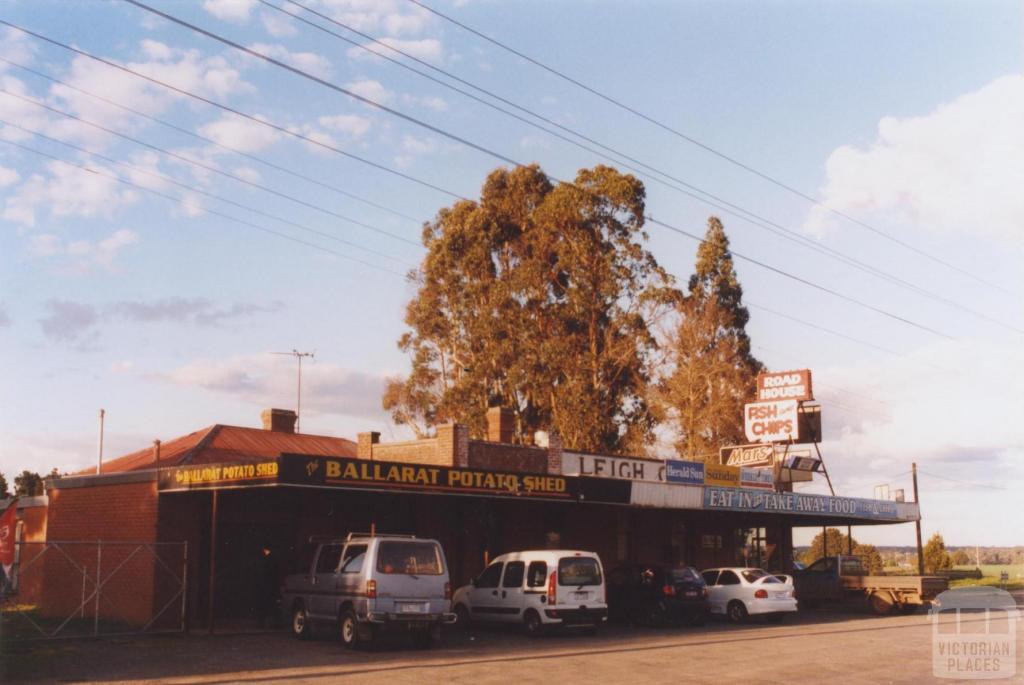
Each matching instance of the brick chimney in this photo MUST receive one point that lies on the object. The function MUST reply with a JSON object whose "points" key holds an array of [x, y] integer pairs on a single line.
{"points": [[278, 420], [500, 424]]}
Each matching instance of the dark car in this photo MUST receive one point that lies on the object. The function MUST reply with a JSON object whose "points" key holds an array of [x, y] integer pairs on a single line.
{"points": [[651, 594]]}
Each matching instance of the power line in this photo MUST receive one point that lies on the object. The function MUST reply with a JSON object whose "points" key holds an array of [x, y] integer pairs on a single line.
{"points": [[497, 155], [178, 200], [843, 335], [708, 148], [714, 201], [963, 482], [232, 110], [211, 169], [193, 189], [210, 141]]}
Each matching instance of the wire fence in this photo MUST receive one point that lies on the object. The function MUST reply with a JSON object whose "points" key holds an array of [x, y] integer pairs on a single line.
{"points": [[80, 589]]}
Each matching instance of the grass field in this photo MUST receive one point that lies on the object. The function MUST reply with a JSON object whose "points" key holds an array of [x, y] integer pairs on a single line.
{"points": [[990, 573], [1015, 571]]}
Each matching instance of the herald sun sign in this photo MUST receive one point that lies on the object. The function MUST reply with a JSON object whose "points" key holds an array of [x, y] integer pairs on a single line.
{"points": [[771, 421]]}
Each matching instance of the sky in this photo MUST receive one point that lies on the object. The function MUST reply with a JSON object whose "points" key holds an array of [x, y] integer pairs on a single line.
{"points": [[876, 162]]}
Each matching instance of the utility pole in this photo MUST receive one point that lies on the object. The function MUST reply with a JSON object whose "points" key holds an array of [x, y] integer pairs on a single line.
{"points": [[99, 455], [917, 500], [298, 400]]}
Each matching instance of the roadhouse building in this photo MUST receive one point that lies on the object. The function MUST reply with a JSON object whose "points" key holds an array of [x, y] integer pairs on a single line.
{"points": [[242, 498]]}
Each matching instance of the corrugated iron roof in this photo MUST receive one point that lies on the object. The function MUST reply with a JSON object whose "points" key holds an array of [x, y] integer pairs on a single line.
{"points": [[220, 443]]}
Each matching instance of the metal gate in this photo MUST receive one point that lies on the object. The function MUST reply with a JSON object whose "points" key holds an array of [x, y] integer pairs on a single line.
{"points": [[76, 589]]}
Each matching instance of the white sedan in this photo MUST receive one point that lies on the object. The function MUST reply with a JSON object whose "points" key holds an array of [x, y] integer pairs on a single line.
{"points": [[741, 592]]}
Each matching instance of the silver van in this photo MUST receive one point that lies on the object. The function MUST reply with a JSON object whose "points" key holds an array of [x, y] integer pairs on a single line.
{"points": [[366, 584]]}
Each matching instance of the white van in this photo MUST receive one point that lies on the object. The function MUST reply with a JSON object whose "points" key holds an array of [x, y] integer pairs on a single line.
{"points": [[537, 589]]}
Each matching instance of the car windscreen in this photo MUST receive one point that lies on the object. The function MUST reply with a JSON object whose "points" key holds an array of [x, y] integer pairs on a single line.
{"points": [[755, 574], [685, 574], [579, 571], [410, 558]]}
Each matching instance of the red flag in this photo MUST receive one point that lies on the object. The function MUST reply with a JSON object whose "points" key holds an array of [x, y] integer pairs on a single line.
{"points": [[8, 526]]}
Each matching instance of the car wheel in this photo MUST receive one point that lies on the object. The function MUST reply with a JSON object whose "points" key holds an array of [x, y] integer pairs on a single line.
{"points": [[736, 611], [532, 624], [302, 627], [880, 604], [349, 628], [462, 619]]}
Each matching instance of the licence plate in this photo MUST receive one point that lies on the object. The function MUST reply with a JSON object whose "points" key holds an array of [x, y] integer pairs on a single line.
{"points": [[781, 595], [581, 595], [413, 608], [691, 593]]}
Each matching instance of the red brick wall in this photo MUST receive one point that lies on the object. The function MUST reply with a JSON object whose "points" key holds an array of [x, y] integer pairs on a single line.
{"points": [[501, 457], [33, 524], [111, 513]]}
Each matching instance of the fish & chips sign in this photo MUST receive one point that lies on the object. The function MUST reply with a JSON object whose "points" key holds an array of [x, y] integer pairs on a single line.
{"points": [[774, 421]]}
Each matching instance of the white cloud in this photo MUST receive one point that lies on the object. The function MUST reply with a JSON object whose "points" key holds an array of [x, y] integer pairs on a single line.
{"points": [[426, 49], [239, 133], [67, 191], [418, 146], [230, 10], [395, 17], [186, 69], [431, 102], [310, 62], [17, 47], [349, 124], [278, 25], [80, 257], [8, 176], [957, 169], [372, 90], [266, 380]]}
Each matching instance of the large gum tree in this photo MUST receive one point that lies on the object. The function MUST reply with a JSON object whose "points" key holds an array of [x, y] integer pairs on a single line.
{"points": [[540, 298]]}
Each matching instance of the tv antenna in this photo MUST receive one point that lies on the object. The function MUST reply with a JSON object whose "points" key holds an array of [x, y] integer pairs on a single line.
{"points": [[298, 392]]}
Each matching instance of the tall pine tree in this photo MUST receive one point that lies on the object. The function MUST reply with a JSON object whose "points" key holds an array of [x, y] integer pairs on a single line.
{"points": [[713, 372]]}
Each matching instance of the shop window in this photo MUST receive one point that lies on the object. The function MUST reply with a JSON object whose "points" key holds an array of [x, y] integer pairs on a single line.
{"points": [[537, 575], [490, 577], [751, 547], [513, 574]]}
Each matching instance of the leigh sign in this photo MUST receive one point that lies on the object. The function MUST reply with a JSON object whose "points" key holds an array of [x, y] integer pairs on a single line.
{"points": [[771, 421], [785, 385]]}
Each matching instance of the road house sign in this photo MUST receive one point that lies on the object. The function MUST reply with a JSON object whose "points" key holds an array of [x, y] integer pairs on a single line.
{"points": [[771, 421], [785, 385], [747, 455]]}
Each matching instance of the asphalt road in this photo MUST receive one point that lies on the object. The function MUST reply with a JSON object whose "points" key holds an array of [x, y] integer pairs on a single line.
{"points": [[813, 647]]}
